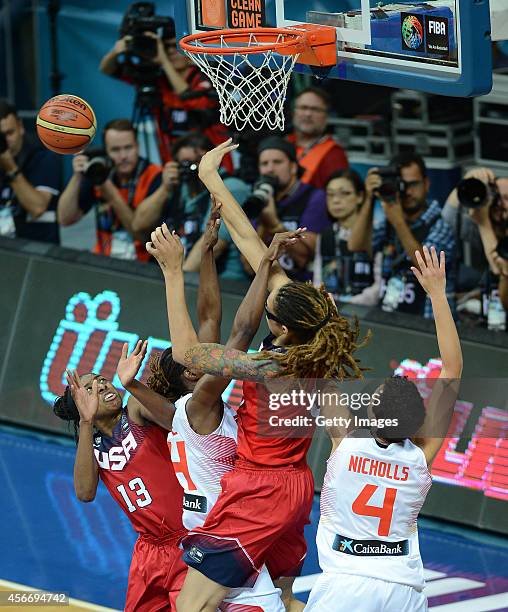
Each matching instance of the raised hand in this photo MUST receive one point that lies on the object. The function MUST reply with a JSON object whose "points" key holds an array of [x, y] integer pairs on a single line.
{"points": [[86, 402], [211, 161], [432, 272], [211, 234], [281, 241], [128, 366], [167, 249]]}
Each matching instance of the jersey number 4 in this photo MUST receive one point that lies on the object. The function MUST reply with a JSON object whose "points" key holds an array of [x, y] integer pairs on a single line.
{"points": [[142, 496], [383, 513]]}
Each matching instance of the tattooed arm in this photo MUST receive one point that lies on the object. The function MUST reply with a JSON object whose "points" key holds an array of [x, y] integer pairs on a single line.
{"points": [[230, 363]]}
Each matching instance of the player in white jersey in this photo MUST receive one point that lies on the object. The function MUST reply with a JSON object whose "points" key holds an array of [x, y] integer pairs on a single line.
{"points": [[203, 440], [376, 483], [200, 461]]}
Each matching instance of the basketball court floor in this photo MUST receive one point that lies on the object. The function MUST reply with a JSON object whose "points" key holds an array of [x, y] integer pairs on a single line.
{"points": [[52, 541]]}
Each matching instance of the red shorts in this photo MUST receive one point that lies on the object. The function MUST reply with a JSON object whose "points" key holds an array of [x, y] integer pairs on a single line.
{"points": [[258, 518], [156, 574]]}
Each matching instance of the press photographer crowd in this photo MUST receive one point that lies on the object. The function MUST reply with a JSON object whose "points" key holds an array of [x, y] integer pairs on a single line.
{"points": [[361, 235]]}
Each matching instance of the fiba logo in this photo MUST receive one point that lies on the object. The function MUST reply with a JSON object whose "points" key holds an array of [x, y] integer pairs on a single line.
{"points": [[412, 32]]}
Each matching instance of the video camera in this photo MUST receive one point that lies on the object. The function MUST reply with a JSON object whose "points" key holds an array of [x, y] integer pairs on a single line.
{"points": [[392, 184], [141, 49]]}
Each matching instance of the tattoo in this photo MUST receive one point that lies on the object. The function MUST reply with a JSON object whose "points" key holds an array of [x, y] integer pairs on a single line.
{"points": [[229, 363]]}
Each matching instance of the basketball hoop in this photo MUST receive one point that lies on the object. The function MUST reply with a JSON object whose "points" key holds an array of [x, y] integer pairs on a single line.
{"points": [[250, 68]]}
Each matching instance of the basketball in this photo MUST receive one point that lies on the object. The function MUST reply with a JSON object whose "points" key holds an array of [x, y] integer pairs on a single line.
{"points": [[66, 124]]}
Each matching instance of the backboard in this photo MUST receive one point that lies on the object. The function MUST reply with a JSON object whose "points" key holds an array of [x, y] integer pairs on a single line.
{"points": [[438, 46]]}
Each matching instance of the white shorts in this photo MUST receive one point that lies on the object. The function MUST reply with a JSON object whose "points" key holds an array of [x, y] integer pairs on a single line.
{"points": [[348, 593], [262, 597]]}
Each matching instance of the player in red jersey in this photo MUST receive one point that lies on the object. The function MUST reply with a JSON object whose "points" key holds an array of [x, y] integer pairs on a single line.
{"points": [[127, 448], [266, 500], [128, 451]]}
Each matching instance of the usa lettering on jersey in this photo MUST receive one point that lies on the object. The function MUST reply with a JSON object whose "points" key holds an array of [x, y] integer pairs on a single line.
{"points": [[116, 457], [374, 467]]}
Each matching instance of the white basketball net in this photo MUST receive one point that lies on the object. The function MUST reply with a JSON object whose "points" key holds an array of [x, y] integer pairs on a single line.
{"points": [[251, 87]]}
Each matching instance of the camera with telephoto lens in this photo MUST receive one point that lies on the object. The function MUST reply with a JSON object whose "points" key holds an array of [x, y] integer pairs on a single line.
{"points": [[188, 171], [98, 167], [264, 189], [392, 184], [473, 193], [3, 143], [502, 248]]}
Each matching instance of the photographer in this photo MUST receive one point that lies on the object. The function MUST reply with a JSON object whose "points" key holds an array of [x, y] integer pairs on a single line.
{"points": [[29, 183], [280, 202], [409, 223], [180, 96], [114, 192], [479, 204], [183, 203]]}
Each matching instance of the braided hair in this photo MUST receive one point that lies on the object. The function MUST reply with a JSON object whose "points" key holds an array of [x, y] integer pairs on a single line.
{"points": [[166, 378], [328, 341], [65, 408]]}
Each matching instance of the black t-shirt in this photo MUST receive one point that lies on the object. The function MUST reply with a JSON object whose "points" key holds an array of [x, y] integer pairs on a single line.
{"points": [[41, 169]]}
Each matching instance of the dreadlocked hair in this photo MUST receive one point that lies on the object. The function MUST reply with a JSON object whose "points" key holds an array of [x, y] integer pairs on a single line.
{"points": [[328, 340], [66, 409], [166, 377]]}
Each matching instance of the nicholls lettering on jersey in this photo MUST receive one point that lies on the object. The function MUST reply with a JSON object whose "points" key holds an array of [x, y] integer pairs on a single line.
{"points": [[381, 469], [115, 453]]}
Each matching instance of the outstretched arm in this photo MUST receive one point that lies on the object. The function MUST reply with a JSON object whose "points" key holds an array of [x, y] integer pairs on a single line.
{"points": [[248, 317], [432, 277], [208, 358], [239, 226], [209, 302], [148, 404], [168, 251], [86, 470]]}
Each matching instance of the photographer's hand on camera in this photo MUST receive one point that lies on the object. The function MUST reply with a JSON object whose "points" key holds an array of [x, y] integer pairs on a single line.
{"points": [[7, 162], [270, 219], [109, 63], [372, 183], [79, 164], [361, 232], [485, 175], [170, 175], [393, 212], [174, 76]]}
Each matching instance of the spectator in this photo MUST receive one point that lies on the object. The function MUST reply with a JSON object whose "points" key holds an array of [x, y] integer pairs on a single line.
{"points": [[115, 201], [318, 153], [29, 183], [179, 84], [293, 204], [409, 223], [183, 203], [348, 276]]}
